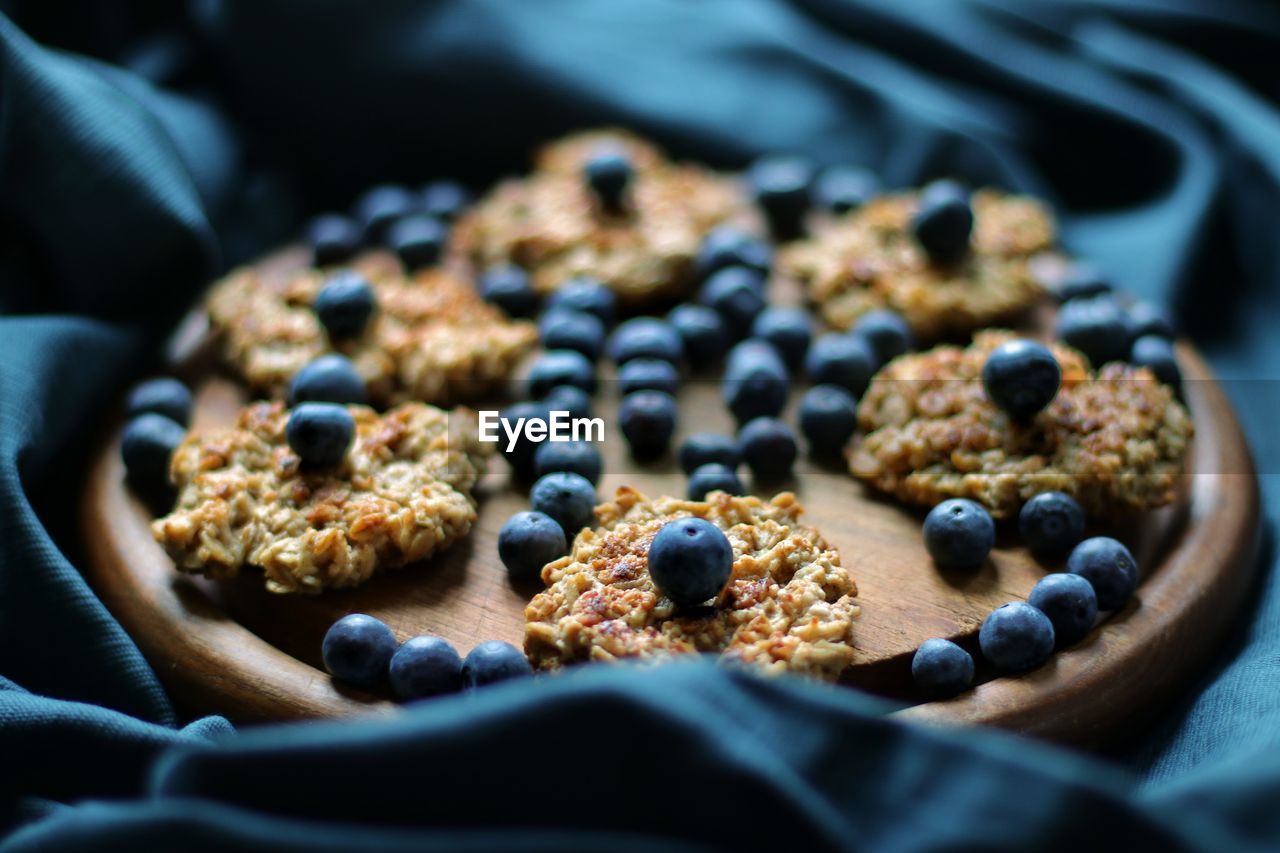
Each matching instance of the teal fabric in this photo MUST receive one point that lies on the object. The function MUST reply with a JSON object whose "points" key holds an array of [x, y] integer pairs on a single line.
{"points": [[144, 146]]}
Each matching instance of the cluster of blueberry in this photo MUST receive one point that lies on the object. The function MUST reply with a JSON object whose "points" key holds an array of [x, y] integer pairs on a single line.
{"points": [[320, 429], [157, 412], [320, 433], [786, 186], [690, 560], [361, 650], [761, 345], [1093, 320], [573, 328], [1022, 377], [415, 225], [1100, 574]]}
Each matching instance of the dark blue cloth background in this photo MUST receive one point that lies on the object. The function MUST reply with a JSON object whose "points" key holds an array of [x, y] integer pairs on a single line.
{"points": [[146, 145]]}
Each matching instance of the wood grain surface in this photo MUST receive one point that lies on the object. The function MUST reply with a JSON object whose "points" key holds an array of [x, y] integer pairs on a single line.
{"points": [[232, 648]]}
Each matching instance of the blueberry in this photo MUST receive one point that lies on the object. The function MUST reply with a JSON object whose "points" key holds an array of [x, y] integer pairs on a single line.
{"points": [[768, 446], [1146, 318], [561, 367], [509, 288], [146, 447], [648, 420], [1051, 523], [780, 185], [737, 294], [943, 222], [358, 649], [705, 448], [1070, 603], [788, 329], [886, 331], [521, 456], [1016, 637], [828, 416], [493, 661], [330, 378], [703, 331], [959, 534], [569, 499], [648, 374], [727, 246], [755, 381], [1096, 326], [320, 433], [164, 396], [1021, 377], [645, 337], [419, 241], [841, 189], [580, 457], [444, 200], [941, 668], [378, 208], [1109, 567], [690, 560], [586, 294], [1156, 353], [334, 239], [424, 667], [528, 541], [754, 352], [1081, 280], [713, 477], [344, 304], [569, 398], [841, 359], [579, 331], [608, 173]]}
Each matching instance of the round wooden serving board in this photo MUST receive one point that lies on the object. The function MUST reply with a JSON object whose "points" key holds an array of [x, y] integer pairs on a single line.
{"points": [[232, 648]]}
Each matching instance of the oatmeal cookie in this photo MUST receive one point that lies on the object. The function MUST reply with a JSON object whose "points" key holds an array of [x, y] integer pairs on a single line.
{"points": [[788, 607], [1115, 441], [401, 495], [432, 338], [869, 259], [550, 224]]}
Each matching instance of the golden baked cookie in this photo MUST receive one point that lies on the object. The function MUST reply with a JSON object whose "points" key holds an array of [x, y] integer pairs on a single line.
{"points": [[402, 494], [550, 224], [788, 606], [431, 338], [1116, 441], [869, 259]]}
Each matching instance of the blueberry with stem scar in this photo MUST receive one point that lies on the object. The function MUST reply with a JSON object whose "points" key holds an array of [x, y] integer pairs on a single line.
{"points": [[1021, 377], [320, 433], [690, 560], [959, 534]]}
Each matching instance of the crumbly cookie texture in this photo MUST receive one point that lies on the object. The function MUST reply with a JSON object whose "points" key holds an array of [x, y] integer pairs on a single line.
{"points": [[401, 495], [788, 607], [1116, 441], [432, 337], [550, 224], [869, 259]]}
